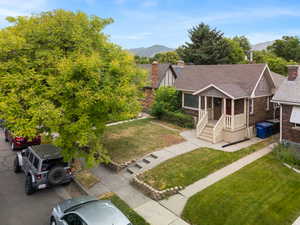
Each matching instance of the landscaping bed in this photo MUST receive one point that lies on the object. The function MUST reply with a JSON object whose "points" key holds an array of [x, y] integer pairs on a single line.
{"points": [[188, 168], [262, 193], [134, 218], [130, 141]]}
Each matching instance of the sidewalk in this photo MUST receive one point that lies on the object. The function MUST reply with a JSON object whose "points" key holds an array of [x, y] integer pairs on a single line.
{"points": [[177, 202], [152, 211]]}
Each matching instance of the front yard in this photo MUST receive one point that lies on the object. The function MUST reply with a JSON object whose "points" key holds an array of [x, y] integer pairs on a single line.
{"points": [[132, 140], [263, 193], [188, 168]]}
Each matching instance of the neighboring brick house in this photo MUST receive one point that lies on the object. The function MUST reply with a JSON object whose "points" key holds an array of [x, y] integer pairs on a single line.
{"points": [[288, 97], [158, 75]]}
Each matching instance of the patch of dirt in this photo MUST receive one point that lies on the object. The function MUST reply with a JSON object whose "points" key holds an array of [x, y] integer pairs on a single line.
{"points": [[87, 179]]}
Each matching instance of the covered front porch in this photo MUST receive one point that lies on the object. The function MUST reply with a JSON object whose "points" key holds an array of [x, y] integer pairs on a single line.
{"points": [[221, 117]]}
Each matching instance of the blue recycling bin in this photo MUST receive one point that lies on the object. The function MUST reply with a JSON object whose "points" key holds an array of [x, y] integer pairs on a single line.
{"points": [[264, 130]]}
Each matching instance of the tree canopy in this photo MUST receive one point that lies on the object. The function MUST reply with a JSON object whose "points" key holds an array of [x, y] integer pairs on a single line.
{"points": [[207, 46], [288, 48], [236, 53], [276, 64], [167, 57], [60, 74], [243, 43]]}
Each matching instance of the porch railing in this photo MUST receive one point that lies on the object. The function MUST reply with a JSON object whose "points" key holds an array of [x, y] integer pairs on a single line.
{"points": [[203, 120], [218, 129], [235, 122]]}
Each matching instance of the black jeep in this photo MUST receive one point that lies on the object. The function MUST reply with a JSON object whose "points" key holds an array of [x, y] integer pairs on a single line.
{"points": [[43, 167]]}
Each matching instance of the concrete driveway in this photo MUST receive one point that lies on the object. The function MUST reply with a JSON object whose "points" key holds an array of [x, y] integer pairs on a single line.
{"points": [[16, 208]]}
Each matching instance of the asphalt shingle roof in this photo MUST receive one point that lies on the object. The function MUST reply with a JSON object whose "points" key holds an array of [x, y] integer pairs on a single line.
{"points": [[288, 92]]}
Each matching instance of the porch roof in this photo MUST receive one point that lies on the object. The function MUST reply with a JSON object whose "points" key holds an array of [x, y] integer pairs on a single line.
{"points": [[232, 91]]}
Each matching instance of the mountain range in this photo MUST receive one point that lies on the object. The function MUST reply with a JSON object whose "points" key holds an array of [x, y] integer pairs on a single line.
{"points": [[153, 50], [150, 51]]}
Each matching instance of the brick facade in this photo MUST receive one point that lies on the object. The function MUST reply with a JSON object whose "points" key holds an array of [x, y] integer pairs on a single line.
{"points": [[289, 133], [260, 111]]}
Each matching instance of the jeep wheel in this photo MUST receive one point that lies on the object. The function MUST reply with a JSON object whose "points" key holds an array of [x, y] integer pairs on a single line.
{"points": [[28, 186], [56, 175], [52, 221], [17, 168]]}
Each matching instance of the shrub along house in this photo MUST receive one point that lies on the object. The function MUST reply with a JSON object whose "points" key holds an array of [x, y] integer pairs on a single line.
{"points": [[158, 75], [288, 97], [228, 100]]}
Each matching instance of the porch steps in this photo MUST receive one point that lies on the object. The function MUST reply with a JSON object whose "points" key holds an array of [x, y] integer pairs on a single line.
{"points": [[207, 133], [141, 164]]}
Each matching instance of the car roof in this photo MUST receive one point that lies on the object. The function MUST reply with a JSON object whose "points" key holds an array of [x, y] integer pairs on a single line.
{"points": [[46, 151], [101, 212]]}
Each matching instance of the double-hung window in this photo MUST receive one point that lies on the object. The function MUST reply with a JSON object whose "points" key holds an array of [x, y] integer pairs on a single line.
{"points": [[295, 117]]}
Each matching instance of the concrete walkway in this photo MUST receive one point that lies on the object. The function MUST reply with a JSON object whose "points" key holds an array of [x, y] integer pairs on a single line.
{"points": [[177, 202], [150, 210]]}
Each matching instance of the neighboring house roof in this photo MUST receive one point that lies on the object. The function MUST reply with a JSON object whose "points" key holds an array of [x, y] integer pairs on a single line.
{"points": [[236, 80], [278, 79], [288, 92], [162, 69]]}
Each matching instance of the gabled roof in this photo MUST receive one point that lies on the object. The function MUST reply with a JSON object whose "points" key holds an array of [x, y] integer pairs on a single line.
{"points": [[237, 80], [162, 69], [288, 92], [278, 79]]}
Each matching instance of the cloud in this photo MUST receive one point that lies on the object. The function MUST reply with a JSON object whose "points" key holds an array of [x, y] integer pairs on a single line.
{"points": [[119, 2], [149, 3], [137, 36], [258, 37], [19, 8]]}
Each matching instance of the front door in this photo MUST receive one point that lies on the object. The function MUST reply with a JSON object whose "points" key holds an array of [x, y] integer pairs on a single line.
{"points": [[217, 108]]}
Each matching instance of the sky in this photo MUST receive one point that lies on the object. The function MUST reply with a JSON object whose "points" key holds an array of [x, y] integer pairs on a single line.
{"points": [[142, 23]]}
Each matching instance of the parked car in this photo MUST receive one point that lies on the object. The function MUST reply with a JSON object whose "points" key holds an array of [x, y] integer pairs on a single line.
{"points": [[43, 167], [87, 210], [20, 142]]}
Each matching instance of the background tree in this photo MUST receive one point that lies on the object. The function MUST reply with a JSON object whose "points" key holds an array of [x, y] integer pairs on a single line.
{"points": [[208, 46], [236, 53], [243, 43], [166, 57], [59, 73], [276, 64], [142, 59], [288, 48]]}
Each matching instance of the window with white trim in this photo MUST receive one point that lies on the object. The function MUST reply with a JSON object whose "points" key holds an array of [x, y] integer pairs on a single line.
{"points": [[190, 101], [251, 106], [268, 103], [295, 117]]}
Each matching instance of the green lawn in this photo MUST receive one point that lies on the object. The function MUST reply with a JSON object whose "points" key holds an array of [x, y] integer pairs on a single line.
{"points": [[188, 168], [263, 193], [135, 139], [134, 218]]}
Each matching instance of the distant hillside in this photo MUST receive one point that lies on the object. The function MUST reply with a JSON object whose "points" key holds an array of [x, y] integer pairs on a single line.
{"points": [[151, 51], [261, 46]]}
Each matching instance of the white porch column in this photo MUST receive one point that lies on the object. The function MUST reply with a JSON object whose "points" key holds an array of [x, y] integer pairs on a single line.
{"points": [[224, 106], [199, 107], [232, 114], [245, 110], [212, 108], [205, 103]]}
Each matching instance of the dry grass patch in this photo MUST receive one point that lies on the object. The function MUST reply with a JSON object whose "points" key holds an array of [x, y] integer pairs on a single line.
{"points": [[87, 179], [133, 140]]}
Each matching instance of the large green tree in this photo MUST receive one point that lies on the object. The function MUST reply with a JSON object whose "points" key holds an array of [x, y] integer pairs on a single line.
{"points": [[207, 46], [236, 53], [276, 64], [288, 48], [167, 57], [243, 43], [60, 74]]}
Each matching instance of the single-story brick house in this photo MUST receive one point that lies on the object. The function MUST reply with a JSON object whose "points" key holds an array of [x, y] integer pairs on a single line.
{"points": [[288, 97], [226, 100]]}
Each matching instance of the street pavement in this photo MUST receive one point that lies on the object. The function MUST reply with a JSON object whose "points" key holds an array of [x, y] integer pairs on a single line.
{"points": [[16, 208]]}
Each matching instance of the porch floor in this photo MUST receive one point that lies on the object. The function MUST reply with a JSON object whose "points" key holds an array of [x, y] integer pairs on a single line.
{"points": [[212, 123]]}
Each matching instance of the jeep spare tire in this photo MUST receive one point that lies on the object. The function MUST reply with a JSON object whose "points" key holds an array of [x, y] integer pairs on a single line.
{"points": [[56, 175]]}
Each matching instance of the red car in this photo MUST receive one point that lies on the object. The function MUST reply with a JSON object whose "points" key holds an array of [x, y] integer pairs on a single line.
{"points": [[20, 142]]}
